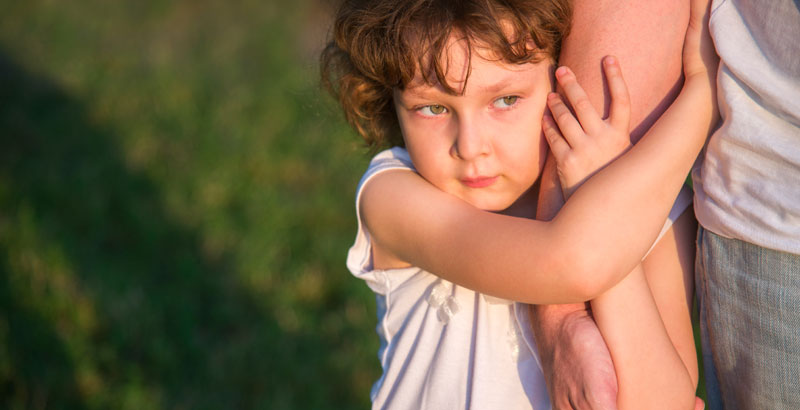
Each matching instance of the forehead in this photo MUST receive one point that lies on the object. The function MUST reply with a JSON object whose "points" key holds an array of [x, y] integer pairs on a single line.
{"points": [[464, 62], [460, 58]]}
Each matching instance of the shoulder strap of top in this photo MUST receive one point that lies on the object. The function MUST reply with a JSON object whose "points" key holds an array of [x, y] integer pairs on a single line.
{"points": [[359, 257]]}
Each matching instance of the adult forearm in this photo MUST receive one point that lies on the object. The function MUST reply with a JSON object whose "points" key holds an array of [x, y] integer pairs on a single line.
{"points": [[648, 46]]}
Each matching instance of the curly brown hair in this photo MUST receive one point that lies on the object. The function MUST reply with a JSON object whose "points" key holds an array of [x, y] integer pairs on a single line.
{"points": [[377, 46]]}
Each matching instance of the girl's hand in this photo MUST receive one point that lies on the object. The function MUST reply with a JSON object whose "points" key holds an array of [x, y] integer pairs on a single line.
{"points": [[585, 145], [700, 59], [699, 56]]}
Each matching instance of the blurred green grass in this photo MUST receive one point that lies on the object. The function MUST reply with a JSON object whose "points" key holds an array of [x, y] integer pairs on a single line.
{"points": [[176, 203]]}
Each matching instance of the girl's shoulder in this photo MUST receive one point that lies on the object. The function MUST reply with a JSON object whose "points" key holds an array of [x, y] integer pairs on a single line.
{"points": [[392, 158], [360, 258]]}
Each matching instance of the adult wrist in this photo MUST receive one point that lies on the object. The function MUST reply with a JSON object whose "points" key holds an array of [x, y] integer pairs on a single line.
{"points": [[549, 320]]}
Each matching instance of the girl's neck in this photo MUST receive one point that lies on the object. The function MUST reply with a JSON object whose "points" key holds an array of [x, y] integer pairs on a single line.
{"points": [[525, 205]]}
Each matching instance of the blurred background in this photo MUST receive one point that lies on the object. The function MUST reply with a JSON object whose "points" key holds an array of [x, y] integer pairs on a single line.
{"points": [[176, 204]]}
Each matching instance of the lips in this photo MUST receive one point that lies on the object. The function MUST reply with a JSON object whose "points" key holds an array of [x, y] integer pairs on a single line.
{"points": [[479, 182]]}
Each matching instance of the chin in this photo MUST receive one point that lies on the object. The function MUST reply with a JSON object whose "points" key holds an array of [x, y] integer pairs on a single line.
{"points": [[492, 206]]}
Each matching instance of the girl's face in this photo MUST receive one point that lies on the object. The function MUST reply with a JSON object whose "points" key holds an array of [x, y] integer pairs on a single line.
{"points": [[485, 145]]}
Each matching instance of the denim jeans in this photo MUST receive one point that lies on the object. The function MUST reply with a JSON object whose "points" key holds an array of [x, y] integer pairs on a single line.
{"points": [[749, 300]]}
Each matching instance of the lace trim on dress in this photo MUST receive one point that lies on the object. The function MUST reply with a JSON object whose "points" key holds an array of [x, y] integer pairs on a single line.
{"points": [[441, 299]]}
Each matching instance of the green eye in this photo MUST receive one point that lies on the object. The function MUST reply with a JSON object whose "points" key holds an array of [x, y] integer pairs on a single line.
{"points": [[433, 110], [505, 102]]}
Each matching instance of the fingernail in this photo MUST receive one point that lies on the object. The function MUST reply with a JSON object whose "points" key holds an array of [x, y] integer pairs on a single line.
{"points": [[552, 96], [561, 71], [611, 60]]}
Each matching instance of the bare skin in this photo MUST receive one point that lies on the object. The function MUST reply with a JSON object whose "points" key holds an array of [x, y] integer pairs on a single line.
{"points": [[577, 363]]}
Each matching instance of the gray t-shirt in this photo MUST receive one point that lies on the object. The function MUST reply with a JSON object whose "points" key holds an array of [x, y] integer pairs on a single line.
{"points": [[748, 185]]}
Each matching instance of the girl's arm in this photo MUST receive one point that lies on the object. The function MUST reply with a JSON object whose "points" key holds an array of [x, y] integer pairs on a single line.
{"points": [[650, 372], [645, 318], [668, 270], [534, 261], [646, 324], [575, 359]]}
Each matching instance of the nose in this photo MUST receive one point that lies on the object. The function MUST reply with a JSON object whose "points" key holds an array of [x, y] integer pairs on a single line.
{"points": [[472, 141]]}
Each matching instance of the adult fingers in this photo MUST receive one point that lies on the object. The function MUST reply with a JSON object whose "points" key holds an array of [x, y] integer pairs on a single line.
{"points": [[589, 118], [620, 111]]}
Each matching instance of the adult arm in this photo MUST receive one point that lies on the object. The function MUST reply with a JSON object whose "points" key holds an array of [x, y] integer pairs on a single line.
{"points": [[648, 45]]}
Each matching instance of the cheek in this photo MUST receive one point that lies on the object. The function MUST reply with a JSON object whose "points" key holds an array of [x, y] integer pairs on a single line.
{"points": [[529, 151], [529, 133], [543, 149], [426, 140], [537, 144], [429, 156]]}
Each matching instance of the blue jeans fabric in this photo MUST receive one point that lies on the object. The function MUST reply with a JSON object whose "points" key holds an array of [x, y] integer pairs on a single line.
{"points": [[749, 299]]}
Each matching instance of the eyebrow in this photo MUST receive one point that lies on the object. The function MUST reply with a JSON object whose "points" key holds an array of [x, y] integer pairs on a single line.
{"points": [[425, 90]]}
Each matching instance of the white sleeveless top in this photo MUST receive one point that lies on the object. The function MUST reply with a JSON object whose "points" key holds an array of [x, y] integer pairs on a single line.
{"points": [[444, 346]]}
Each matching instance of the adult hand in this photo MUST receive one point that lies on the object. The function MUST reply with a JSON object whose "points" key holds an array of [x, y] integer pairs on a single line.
{"points": [[576, 362]]}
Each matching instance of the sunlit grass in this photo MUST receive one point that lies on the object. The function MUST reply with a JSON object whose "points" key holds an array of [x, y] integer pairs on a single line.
{"points": [[176, 203]]}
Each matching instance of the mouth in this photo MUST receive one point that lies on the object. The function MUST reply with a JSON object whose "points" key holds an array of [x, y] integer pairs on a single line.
{"points": [[478, 182]]}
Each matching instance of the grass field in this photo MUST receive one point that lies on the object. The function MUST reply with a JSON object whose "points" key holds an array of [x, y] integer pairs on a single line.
{"points": [[176, 203]]}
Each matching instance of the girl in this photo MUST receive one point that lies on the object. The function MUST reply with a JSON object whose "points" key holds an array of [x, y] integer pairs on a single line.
{"points": [[462, 87]]}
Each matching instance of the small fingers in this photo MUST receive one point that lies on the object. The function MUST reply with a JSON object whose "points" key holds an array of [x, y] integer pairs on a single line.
{"points": [[567, 124], [699, 404], [587, 115], [558, 145], [698, 12], [619, 115]]}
